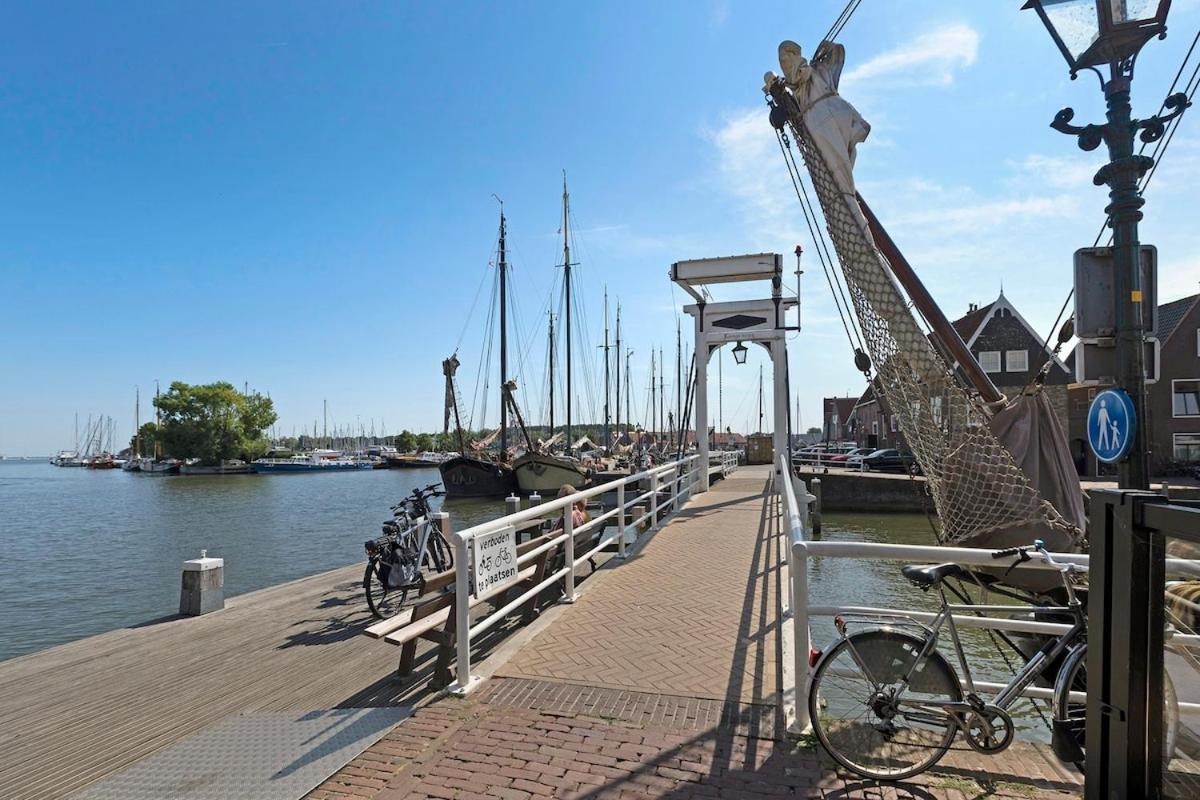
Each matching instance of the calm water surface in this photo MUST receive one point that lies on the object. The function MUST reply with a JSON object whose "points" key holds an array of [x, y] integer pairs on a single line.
{"points": [[88, 551]]}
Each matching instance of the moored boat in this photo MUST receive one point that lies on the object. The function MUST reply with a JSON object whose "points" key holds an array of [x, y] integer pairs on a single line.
{"points": [[469, 476], [231, 466], [308, 463], [546, 473], [158, 466]]}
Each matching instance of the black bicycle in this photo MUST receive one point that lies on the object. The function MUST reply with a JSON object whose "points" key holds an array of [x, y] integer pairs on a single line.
{"points": [[886, 703], [412, 542]]}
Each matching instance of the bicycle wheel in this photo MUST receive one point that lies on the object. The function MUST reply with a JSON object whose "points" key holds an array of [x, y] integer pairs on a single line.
{"points": [[382, 601], [440, 553], [859, 722], [1070, 716]]}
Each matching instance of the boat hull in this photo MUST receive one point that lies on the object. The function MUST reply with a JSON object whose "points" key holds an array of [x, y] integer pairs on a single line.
{"points": [[546, 474], [327, 467], [472, 477], [149, 466], [238, 468]]}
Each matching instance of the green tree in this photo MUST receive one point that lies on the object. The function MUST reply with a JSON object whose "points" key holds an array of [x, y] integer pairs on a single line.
{"points": [[424, 441], [406, 441], [213, 422]]}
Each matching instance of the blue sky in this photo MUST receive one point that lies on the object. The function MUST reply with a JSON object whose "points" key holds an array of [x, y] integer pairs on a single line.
{"points": [[299, 195]]}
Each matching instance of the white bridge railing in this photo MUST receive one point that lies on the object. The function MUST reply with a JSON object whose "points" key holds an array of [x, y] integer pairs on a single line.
{"points": [[794, 507], [670, 486]]}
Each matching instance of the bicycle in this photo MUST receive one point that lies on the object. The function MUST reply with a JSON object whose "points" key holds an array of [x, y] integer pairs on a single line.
{"points": [[886, 704], [411, 541]]}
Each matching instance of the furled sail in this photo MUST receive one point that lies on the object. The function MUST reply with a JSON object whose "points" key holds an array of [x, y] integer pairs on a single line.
{"points": [[996, 471]]}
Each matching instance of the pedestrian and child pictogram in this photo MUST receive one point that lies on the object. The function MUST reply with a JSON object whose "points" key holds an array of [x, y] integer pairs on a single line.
{"points": [[1110, 425]]}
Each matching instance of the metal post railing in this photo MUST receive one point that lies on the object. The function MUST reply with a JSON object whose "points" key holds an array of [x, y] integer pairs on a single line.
{"points": [[565, 505], [654, 501], [621, 521], [569, 548]]}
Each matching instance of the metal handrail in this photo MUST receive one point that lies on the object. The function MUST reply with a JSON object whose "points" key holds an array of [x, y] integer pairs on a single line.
{"points": [[679, 478], [801, 549]]}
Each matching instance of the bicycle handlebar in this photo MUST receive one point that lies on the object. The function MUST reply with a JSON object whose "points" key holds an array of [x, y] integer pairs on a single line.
{"points": [[1022, 554]]}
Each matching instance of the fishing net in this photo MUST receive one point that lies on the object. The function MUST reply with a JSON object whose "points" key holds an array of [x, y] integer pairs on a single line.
{"points": [[982, 496]]}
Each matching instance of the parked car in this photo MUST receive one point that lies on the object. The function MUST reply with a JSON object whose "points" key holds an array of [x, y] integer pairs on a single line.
{"points": [[854, 455], [891, 461]]}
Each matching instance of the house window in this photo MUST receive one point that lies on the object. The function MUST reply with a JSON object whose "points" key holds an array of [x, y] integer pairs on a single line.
{"points": [[1018, 360], [1186, 398], [1187, 447], [936, 407], [989, 360], [893, 421], [874, 427]]}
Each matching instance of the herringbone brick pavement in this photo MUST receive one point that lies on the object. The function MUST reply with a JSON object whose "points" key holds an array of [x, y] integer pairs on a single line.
{"points": [[693, 613], [533, 740]]}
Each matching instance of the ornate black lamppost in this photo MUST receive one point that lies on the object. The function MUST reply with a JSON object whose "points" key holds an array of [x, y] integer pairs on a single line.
{"points": [[739, 353], [1094, 34]]}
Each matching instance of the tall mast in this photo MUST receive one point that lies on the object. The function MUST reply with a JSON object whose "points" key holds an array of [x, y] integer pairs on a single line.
{"points": [[567, 288], [325, 423], [653, 392], [619, 370], [76, 433], [157, 421], [137, 422], [607, 382], [721, 392], [760, 428], [551, 339], [503, 333], [678, 376], [662, 393], [628, 394]]}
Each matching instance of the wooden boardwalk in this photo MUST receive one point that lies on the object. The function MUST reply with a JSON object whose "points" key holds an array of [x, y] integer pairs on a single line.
{"points": [[75, 713]]}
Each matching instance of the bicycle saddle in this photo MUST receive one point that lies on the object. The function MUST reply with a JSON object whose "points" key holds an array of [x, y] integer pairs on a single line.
{"points": [[930, 575]]}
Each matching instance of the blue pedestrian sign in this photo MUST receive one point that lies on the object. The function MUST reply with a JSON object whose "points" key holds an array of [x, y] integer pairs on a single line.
{"points": [[1111, 424]]}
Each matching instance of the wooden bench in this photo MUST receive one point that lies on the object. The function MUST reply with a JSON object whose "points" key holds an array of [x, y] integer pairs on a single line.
{"points": [[435, 618]]}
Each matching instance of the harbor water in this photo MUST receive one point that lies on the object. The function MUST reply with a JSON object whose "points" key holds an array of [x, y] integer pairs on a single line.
{"points": [[86, 551], [90, 551]]}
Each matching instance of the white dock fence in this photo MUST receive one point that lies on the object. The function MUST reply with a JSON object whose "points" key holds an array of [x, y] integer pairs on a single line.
{"points": [[670, 486], [794, 500]]}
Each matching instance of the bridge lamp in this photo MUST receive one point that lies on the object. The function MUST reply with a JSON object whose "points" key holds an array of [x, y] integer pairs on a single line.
{"points": [[739, 353]]}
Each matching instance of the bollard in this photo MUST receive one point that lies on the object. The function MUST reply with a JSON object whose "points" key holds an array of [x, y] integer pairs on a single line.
{"points": [[203, 585], [512, 504], [816, 507], [535, 499]]}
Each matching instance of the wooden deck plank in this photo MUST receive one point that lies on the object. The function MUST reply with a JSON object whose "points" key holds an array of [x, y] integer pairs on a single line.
{"points": [[75, 713]]}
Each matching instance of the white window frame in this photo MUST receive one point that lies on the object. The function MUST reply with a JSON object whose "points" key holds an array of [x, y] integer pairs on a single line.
{"points": [[1175, 443], [874, 427], [1023, 355], [1173, 392], [985, 356]]}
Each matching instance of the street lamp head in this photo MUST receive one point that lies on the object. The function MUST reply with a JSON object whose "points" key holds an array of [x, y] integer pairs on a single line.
{"points": [[1091, 33], [739, 353]]}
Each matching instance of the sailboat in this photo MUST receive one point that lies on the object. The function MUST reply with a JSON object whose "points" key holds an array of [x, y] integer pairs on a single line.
{"points": [[472, 473], [133, 463], [158, 465], [539, 470]]}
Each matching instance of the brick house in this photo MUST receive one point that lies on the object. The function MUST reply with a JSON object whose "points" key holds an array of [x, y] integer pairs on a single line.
{"points": [[1008, 349], [838, 419], [1173, 403]]}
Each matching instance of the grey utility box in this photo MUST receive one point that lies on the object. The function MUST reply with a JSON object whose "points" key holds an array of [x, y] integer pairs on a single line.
{"points": [[203, 586], [1095, 315]]}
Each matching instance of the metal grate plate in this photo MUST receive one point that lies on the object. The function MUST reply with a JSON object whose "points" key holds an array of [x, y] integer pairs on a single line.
{"points": [[263, 755]]}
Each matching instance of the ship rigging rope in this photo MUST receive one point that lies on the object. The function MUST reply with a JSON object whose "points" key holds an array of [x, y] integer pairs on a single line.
{"points": [[835, 30], [821, 245]]}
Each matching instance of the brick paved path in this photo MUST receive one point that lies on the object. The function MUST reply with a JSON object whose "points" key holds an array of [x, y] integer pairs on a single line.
{"points": [[521, 739], [693, 613], [659, 682]]}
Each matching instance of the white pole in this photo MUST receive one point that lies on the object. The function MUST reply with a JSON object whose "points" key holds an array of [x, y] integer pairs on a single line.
{"points": [[800, 634], [569, 530], [621, 521], [462, 605], [654, 501]]}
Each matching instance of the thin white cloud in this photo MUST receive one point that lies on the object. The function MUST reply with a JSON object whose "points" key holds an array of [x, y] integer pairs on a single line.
{"points": [[931, 59]]}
